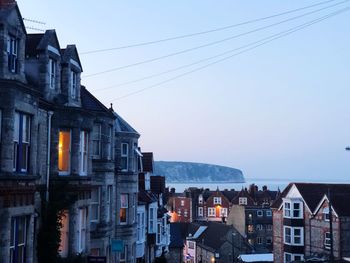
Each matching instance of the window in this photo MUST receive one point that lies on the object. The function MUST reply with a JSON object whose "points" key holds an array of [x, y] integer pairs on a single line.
{"points": [[109, 143], [217, 200], [250, 228], [84, 141], [73, 84], [259, 240], [95, 205], [259, 227], [64, 152], [200, 211], [268, 213], [12, 51], [96, 141], [260, 213], [288, 257], [124, 200], [21, 143], [293, 236], [326, 213], [18, 239], [242, 201], [139, 226], [269, 227], [211, 211], [182, 202], [185, 213], [223, 212], [190, 245], [293, 209], [124, 156], [327, 240], [124, 254], [52, 73], [151, 219], [109, 203], [179, 212], [159, 232], [82, 229], [200, 199], [63, 249], [268, 240]]}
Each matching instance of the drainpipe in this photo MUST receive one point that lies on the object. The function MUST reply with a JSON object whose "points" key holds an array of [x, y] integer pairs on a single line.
{"points": [[49, 116]]}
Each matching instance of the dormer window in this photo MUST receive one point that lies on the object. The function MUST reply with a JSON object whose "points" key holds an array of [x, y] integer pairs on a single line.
{"points": [[52, 73], [73, 84], [12, 50], [293, 209], [217, 200], [242, 201]]}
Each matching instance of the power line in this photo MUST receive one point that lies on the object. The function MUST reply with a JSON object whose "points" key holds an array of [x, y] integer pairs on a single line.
{"points": [[204, 32], [282, 34], [212, 43]]}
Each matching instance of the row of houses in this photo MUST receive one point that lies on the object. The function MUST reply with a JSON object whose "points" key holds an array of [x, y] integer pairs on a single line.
{"points": [[69, 166], [248, 211]]}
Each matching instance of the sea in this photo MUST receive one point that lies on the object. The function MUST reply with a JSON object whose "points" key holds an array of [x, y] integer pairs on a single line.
{"points": [[272, 184]]}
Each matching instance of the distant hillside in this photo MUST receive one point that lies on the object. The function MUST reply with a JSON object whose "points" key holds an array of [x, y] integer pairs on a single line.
{"points": [[180, 172]]}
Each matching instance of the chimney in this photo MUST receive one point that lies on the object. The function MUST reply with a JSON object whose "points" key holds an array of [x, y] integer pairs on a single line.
{"points": [[7, 3]]}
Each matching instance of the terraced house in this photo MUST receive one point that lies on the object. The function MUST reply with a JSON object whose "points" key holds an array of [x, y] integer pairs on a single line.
{"points": [[64, 156]]}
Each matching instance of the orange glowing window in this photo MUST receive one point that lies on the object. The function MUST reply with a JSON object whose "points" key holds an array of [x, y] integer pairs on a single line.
{"points": [[64, 152]]}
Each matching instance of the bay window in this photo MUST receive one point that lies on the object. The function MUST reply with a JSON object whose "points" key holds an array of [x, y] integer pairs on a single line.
{"points": [[21, 143], [124, 156], [123, 211], [84, 140], [64, 146], [293, 236]]}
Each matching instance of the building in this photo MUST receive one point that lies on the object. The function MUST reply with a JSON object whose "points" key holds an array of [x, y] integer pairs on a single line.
{"points": [[180, 209], [306, 217], [251, 215]]}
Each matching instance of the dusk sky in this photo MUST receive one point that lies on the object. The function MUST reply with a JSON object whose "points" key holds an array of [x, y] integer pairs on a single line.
{"points": [[281, 110]]}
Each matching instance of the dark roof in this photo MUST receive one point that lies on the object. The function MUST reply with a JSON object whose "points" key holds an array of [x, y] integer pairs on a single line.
{"points": [[6, 8], [91, 103], [32, 43], [147, 162], [179, 232], [145, 197], [71, 52], [123, 126], [313, 193], [215, 235], [229, 194], [243, 193]]}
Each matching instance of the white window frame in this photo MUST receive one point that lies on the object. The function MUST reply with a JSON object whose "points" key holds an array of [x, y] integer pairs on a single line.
{"points": [[292, 257], [182, 202], [21, 139], [260, 213], [124, 156], [223, 212], [269, 227], [109, 203], [95, 204], [293, 236], [52, 73], [327, 240], [242, 200], [12, 52], [259, 240], [64, 232], [73, 84], [14, 244], [84, 151], [200, 211], [326, 214], [200, 199], [259, 227], [211, 211], [96, 141], [124, 205], [288, 209], [151, 219], [217, 200], [82, 218], [268, 213]]}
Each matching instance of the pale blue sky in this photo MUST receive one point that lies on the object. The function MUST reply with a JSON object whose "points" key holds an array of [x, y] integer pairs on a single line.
{"points": [[279, 111]]}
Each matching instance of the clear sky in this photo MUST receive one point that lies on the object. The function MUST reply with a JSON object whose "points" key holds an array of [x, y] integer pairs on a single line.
{"points": [[279, 111]]}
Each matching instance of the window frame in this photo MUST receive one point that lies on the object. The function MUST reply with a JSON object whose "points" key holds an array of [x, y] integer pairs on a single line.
{"points": [[200, 211], [260, 213], [211, 212], [124, 205], [293, 236], [124, 156], [52, 73], [73, 84], [95, 204], [327, 240], [84, 153], [12, 53], [289, 209], [96, 141], [82, 229], [109, 203], [14, 244], [223, 212], [242, 200], [217, 200], [22, 129], [65, 172]]}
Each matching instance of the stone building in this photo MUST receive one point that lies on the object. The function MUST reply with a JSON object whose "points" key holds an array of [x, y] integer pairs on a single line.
{"points": [[302, 222]]}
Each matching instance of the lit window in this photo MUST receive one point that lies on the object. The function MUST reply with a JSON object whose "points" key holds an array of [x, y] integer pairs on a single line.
{"points": [[109, 203], [21, 143], [200, 211], [217, 200], [293, 236], [73, 84], [84, 140], [95, 205], [242, 201], [260, 213], [52, 73], [63, 249], [12, 50], [64, 152], [211, 211], [18, 239], [327, 240], [124, 156], [82, 214], [124, 200], [96, 141]]}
